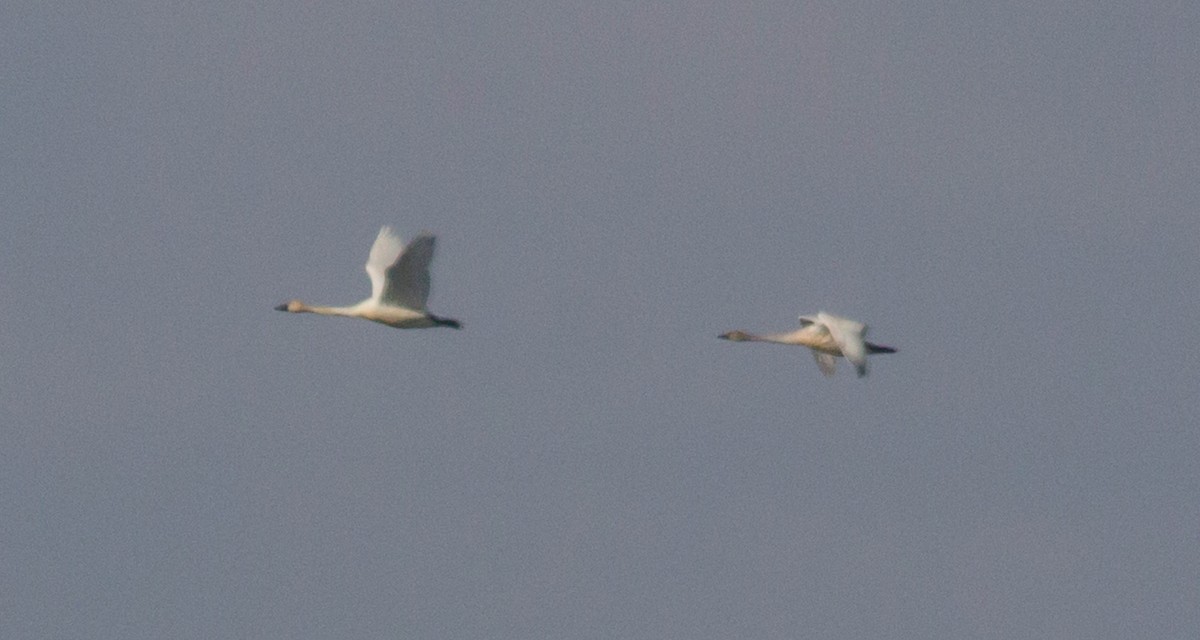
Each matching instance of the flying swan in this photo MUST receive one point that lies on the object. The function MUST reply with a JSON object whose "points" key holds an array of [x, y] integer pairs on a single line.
{"points": [[828, 336], [399, 286]]}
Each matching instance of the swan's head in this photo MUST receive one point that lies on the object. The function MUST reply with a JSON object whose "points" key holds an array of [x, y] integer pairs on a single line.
{"points": [[294, 306], [736, 336]]}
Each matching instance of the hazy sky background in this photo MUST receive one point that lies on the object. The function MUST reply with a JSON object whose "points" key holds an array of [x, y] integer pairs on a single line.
{"points": [[1007, 192]]}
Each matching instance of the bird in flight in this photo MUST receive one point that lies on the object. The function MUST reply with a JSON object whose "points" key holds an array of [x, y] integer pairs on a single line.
{"points": [[399, 286], [828, 336]]}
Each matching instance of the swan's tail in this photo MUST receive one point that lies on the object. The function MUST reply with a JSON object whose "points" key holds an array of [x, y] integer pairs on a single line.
{"points": [[878, 348]]}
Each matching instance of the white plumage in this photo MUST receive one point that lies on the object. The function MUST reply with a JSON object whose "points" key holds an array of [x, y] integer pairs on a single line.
{"points": [[828, 336], [399, 286]]}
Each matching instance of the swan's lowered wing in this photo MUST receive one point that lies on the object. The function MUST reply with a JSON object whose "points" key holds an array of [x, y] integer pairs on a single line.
{"points": [[826, 362], [848, 334]]}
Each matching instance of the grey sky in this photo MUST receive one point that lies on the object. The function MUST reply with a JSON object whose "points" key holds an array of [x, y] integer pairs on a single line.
{"points": [[1008, 193]]}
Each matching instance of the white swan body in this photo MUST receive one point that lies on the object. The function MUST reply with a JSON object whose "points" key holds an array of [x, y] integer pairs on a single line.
{"points": [[399, 286], [828, 336]]}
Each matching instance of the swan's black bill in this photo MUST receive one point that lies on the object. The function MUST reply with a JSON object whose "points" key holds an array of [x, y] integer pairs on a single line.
{"points": [[282, 307]]}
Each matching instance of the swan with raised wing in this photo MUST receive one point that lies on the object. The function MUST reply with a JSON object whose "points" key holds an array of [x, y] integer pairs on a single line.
{"points": [[828, 336], [399, 286]]}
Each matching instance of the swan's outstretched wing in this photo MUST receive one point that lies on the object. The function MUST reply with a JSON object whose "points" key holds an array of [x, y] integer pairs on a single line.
{"points": [[408, 278], [848, 334], [826, 362], [384, 252]]}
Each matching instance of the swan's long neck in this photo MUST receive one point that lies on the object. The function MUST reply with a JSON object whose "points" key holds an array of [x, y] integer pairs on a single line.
{"points": [[348, 312], [804, 337], [790, 337], [743, 336]]}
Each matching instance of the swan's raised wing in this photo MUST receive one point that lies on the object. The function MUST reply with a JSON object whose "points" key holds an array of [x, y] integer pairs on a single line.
{"points": [[848, 334], [407, 282], [384, 252], [826, 362]]}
